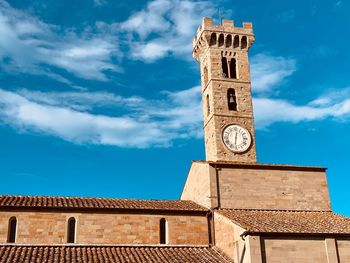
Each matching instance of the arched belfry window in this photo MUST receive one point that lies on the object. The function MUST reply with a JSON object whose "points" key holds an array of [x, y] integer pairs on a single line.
{"points": [[244, 42], [233, 72], [221, 40], [231, 99], [236, 41], [71, 229], [208, 105], [163, 231], [212, 40], [224, 67], [229, 41], [12, 230]]}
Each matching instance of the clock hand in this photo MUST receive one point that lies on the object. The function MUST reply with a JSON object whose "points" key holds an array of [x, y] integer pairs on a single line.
{"points": [[236, 138]]}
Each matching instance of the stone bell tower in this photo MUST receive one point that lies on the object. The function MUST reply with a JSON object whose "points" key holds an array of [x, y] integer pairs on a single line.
{"points": [[222, 51]]}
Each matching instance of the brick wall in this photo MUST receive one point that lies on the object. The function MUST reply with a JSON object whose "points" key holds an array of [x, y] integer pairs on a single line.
{"points": [[93, 228]]}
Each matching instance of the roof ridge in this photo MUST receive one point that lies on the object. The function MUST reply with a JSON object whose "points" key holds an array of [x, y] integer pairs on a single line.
{"points": [[61, 202], [272, 210], [107, 245], [91, 197]]}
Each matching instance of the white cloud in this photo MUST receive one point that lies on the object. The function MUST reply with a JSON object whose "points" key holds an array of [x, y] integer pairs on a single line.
{"points": [[165, 27], [26, 43], [270, 71], [147, 123], [268, 111]]}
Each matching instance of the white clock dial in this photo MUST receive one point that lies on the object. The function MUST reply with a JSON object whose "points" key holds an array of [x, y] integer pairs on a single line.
{"points": [[236, 138]]}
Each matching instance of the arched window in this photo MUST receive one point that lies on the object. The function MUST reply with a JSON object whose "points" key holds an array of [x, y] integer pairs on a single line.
{"points": [[236, 41], [233, 73], [163, 238], [221, 40], [224, 67], [229, 41], [244, 42], [208, 105], [71, 230], [231, 99], [212, 40], [12, 230]]}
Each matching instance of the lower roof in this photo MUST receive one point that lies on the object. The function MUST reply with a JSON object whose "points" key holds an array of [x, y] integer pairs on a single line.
{"points": [[109, 254], [81, 203], [290, 222]]}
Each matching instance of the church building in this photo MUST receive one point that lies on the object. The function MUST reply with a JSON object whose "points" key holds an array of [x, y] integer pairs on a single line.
{"points": [[232, 208]]}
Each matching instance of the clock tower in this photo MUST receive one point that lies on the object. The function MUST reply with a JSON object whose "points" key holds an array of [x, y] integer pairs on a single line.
{"points": [[222, 51]]}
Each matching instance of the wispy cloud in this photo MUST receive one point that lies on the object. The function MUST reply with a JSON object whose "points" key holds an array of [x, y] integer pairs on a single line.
{"points": [[269, 111], [27, 43], [147, 123], [165, 27], [140, 122], [268, 74], [270, 71]]}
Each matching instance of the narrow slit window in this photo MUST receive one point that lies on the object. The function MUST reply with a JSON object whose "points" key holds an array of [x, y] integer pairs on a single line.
{"points": [[205, 76], [233, 72], [163, 239], [71, 230], [231, 99], [224, 67], [12, 229], [208, 105]]}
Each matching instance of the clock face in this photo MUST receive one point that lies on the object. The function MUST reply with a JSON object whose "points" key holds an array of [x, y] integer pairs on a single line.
{"points": [[236, 138]]}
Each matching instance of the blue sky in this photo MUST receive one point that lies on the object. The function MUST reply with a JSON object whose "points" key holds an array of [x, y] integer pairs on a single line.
{"points": [[102, 98]]}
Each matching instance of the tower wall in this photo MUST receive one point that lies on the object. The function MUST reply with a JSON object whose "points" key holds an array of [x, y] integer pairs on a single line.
{"points": [[222, 51]]}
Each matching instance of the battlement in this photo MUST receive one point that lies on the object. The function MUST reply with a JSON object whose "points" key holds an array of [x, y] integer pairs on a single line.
{"points": [[209, 34]]}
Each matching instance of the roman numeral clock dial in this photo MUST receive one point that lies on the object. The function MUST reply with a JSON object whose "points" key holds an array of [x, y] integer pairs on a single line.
{"points": [[236, 138]]}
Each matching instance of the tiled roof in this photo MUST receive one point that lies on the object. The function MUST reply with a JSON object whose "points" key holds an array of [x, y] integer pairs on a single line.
{"points": [[38, 202], [269, 221], [109, 254]]}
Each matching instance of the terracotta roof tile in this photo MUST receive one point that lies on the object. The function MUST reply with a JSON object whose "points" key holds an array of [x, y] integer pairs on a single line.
{"points": [[109, 254], [36, 202], [270, 221]]}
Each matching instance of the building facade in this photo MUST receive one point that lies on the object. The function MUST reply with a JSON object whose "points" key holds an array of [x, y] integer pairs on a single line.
{"points": [[232, 208]]}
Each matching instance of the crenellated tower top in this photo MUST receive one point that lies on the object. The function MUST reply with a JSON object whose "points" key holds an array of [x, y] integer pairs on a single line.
{"points": [[225, 35]]}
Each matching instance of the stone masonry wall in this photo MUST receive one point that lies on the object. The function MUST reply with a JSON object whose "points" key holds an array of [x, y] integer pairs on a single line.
{"points": [[343, 246], [227, 237], [273, 189], [93, 228], [295, 250], [197, 186], [211, 44]]}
